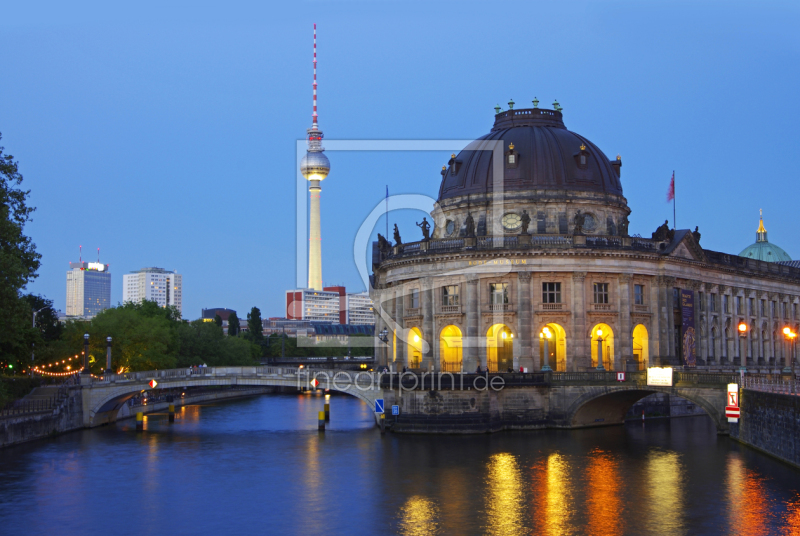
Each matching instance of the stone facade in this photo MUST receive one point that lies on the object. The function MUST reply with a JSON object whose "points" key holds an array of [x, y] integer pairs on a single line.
{"points": [[770, 422]]}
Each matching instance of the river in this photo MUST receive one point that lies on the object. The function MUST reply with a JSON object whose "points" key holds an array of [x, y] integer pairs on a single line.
{"points": [[259, 466]]}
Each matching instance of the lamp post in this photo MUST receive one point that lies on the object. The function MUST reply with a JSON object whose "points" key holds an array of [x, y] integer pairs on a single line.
{"points": [[86, 354], [545, 336], [33, 345], [790, 337], [742, 328], [108, 355], [383, 336], [600, 350]]}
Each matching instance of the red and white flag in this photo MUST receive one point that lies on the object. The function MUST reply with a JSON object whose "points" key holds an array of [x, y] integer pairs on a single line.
{"points": [[671, 191]]}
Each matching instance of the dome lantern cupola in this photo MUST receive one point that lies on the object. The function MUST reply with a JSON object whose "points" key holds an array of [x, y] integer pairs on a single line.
{"points": [[763, 250]]}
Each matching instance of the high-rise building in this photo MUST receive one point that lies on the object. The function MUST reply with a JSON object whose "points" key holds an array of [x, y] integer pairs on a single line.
{"points": [[359, 309], [153, 284], [315, 167], [88, 289]]}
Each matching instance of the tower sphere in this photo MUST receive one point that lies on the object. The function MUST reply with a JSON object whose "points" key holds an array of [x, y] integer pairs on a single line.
{"points": [[315, 166]]}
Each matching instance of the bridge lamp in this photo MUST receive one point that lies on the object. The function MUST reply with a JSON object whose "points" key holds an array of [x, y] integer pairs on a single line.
{"points": [[790, 336], [504, 335], [600, 350]]}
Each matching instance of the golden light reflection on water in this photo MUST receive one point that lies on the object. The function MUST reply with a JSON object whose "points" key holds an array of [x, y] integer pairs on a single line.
{"points": [[553, 503], [792, 518], [748, 501], [664, 486], [504, 496], [603, 501], [418, 517]]}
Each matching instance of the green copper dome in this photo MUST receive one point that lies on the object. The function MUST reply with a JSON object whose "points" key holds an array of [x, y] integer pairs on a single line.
{"points": [[762, 249]]}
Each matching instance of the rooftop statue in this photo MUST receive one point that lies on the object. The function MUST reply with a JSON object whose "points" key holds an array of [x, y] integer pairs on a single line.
{"points": [[397, 240], [579, 219], [526, 220], [426, 229], [469, 232]]}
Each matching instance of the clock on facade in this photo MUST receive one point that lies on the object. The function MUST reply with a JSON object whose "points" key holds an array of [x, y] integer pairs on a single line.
{"points": [[511, 221]]}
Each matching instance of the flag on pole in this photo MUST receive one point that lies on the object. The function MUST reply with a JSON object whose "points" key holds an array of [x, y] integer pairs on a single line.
{"points": [[671, 191]]}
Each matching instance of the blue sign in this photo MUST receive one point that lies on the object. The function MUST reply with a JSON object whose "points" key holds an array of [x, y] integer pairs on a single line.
{"points": [[395, 410], [379, 405]]}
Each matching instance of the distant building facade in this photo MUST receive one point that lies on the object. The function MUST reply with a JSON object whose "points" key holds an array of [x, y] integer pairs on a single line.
{"points": [[331, 305], [88, 289], [208, 315], [154, 284]]}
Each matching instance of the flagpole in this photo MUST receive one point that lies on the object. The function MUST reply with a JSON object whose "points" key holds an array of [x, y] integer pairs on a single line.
{"points": [[674, 222], [387, 212]]}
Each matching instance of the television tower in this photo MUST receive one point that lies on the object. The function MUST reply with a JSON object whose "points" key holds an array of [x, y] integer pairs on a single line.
{"points": [[315, 167]]}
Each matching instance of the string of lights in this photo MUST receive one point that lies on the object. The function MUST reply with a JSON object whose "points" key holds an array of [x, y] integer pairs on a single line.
{"points": [[37, 370]]}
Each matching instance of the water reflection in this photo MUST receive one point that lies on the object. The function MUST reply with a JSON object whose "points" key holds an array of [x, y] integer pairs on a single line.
{"points": [[553, 501], [418, 517], [665, 493], [748, 501], [504, 496], [604, 505]]}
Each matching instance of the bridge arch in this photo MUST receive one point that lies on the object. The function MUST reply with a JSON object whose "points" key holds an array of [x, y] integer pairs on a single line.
{"points": [[600, 405]]}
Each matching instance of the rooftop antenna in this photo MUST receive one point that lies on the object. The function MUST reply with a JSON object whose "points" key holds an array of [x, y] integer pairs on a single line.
{"points": [[98, 255], [80, 253]]}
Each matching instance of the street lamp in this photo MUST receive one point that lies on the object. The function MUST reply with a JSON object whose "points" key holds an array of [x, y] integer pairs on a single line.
{"points": [[86, 354], [545, 336], [790, 337], [108, 355], [600, 350], [742, 328]]}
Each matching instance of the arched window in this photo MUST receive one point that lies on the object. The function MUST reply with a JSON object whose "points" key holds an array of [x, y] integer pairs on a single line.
{"points": [[725, 343]]}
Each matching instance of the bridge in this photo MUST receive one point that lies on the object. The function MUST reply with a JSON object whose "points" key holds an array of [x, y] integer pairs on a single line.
{"points": [[439, 402]]}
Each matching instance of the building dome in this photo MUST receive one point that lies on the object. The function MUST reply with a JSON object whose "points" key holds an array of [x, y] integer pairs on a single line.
{"points": [[539, 153], [762, 250]]}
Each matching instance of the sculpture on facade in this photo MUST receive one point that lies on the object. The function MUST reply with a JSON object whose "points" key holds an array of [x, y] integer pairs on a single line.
{"points": [[663, 231], [469, 223], [623, 226], [696, 234], [426, 229], [383, 244], [397, 240], [579, 220], [526, 220]]}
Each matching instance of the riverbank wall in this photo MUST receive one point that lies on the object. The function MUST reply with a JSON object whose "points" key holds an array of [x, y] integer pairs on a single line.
{"points": [[770, 423], [68, 416]]}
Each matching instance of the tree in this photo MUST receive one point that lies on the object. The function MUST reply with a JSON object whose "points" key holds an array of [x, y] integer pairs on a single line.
{"points": [[204, 343], [218, 320], [254, 325], [19, 261], [47, 322], [233, 324]]}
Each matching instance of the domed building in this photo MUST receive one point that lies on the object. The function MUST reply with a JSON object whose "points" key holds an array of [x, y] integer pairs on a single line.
{"points": [[762, 250], [530, 266]]}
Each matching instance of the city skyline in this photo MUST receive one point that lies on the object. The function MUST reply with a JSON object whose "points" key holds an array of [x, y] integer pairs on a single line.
{"points": [[152, 102]]}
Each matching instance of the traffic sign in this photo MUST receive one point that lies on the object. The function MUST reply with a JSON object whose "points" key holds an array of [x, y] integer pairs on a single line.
{"points": [[152, 384], [314, 382], [379, 405], [395, 410], [733, 399], [732, 412], [620, 376]]}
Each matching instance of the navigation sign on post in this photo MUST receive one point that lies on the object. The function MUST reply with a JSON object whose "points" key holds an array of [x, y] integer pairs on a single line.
{"points": [[620, 376], [314, 382], [379, 405], [732, 413], [152, 384], [395, 410]]}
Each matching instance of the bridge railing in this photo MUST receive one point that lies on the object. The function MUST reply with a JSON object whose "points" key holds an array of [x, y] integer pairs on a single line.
{"points": [[196, 373], [772, 383]]}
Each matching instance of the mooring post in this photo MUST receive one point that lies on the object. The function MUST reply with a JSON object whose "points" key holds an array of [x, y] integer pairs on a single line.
{"points": [[327, 407], [321, 421], [139, 421], [383, 423]]}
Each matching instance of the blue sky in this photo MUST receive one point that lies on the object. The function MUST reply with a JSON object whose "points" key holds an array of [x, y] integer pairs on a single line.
{"points": [[166, 135]]}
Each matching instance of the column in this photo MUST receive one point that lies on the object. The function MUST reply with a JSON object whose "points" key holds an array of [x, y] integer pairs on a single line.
{"points": [[524, 326], [400, 332], [664, 316], [625, 352], [426, 304], [471, 345], [581, 352]]}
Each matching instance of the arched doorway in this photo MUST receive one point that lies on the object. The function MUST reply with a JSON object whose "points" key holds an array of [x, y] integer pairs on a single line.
{"points": [[450, 345], [499, 348], [641, 346], [604, 332], [556, 347], [414, 348]]}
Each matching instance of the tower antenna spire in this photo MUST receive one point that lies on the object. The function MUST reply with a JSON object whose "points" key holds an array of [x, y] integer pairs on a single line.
{"points": [[98, 255], [314, 115], [80, 253]]}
